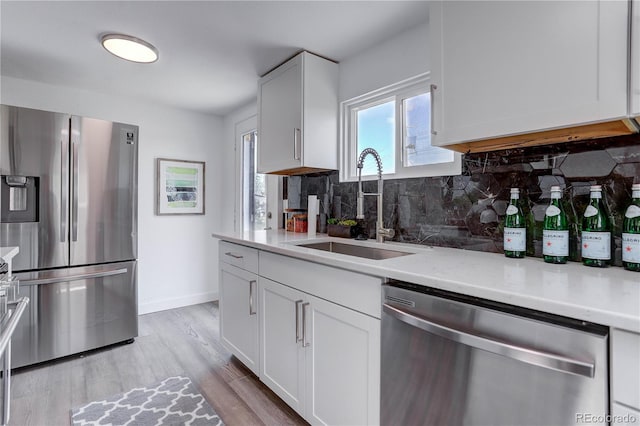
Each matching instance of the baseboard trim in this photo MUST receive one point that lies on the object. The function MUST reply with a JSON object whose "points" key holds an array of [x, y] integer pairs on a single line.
{"points": [[176, 302]]}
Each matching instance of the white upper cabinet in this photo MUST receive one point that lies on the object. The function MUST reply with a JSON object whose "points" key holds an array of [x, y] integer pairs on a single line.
{"points": [[505, 68], [634, 105], [298, 116]]}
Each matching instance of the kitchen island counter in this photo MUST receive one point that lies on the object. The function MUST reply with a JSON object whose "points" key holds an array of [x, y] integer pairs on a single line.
{"points": [[607, 296]]}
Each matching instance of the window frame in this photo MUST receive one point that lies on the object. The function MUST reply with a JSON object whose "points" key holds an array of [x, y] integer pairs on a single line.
{"points": [[348, 132]]}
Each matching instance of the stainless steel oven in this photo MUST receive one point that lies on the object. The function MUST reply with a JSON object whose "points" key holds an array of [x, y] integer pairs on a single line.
{"points": [[449, 359]]}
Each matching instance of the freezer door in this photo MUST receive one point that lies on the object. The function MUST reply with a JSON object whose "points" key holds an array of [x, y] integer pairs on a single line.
{"points": [[34, 186], [73, 310], [104, 190]]}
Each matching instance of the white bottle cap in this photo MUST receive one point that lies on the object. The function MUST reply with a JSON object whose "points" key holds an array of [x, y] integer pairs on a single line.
{"points": [[515, 190], [596, 188], [556, 189], [556, 192], [635, 187]]}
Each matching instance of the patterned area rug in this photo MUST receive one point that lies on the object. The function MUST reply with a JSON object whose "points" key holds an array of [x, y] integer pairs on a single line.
{"points": [[174, 401]]}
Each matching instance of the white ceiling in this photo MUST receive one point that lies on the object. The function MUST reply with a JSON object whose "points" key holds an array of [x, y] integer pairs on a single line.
{"points": [[211, 52]]}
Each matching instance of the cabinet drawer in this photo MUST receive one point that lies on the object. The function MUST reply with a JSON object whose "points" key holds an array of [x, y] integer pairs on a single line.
{"points": [[625, 377], [356, 291], [240, 256]]}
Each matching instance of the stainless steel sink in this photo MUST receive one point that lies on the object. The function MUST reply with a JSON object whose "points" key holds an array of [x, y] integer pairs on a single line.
{"points": [[353, 250]]}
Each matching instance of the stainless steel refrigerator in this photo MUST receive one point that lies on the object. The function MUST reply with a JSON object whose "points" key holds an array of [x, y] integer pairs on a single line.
{"points": [[68, 200]]}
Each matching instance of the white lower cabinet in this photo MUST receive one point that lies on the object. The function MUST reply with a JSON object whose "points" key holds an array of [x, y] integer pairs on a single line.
{"points": [[238, 314], [281, 353], [624, 416], [625, 377], [342, 365], [321, 358]]}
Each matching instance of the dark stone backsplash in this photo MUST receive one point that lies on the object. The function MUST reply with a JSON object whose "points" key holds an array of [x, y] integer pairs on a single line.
{"points": [[467, 211]]}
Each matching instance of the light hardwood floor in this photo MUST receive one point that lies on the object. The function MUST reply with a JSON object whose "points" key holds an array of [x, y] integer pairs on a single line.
{"points": [[182, 341]]}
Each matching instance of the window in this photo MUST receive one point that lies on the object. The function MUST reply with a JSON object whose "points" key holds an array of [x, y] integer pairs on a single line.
{"points": [[254, 196], [396, 122]]}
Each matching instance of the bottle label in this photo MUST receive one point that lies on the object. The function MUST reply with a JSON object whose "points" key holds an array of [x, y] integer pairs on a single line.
{"points": [[596, 245], [555, 243], [590, 211], [515, 239], [632, 211], [512, 209], [631, 248], [552, 211]]}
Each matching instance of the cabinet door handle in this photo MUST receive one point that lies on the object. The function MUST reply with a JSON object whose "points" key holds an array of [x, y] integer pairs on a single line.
{"points": [[433, 95], [235, 256], [305, 342], [298, 302], [296, 144], [252, 308]]}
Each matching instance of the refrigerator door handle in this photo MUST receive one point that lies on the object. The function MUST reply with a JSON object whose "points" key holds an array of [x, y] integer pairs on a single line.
{"points": [[78, 277], [64, 189], [74, 195]]}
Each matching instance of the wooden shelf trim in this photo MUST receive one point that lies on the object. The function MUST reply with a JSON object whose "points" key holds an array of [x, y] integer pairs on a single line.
{"points": [[625, 126]]}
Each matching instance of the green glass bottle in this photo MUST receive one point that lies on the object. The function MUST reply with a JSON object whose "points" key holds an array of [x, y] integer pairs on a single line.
{"points": [[555, 231], [631, 232], [596, 231], [515, 230]]}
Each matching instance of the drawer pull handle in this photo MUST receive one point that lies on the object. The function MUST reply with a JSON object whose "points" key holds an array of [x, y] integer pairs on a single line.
{"points": [[235, 256]]}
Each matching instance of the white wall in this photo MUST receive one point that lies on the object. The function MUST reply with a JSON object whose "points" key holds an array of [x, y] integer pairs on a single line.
{"points": [[403, 56], [176, 254]]}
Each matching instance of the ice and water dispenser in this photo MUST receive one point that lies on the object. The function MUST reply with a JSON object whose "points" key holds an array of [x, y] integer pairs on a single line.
{"points": [[19, 199]]}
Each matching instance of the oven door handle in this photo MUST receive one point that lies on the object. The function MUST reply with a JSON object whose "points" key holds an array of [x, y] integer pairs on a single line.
{"points": [[528, 355]]}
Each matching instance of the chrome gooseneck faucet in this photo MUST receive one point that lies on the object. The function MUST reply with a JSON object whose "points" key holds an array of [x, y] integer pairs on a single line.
{"points": [[381, 231]]}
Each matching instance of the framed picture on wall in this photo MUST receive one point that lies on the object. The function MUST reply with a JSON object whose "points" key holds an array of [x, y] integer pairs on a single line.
{"points": [[180, 187]]}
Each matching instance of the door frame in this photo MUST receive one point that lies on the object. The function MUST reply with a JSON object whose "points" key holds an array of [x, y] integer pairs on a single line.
{"points": [[273, 182]]}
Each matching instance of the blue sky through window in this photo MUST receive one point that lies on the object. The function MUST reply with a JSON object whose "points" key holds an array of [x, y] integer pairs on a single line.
{"points": [[376, 129]]}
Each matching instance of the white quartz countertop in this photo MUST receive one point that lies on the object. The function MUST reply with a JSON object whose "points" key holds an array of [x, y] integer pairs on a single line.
{"points": [[607, 296]]}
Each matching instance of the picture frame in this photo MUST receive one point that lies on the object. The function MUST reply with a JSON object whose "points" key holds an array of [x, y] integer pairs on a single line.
{"points": [[180, 187]]}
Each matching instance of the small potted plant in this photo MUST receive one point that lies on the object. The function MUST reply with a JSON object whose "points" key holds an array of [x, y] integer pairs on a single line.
{"points": [[347, 228]]}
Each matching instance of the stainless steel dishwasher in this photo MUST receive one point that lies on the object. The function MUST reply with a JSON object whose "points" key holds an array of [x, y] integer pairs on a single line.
{"points": [[449, 359]]}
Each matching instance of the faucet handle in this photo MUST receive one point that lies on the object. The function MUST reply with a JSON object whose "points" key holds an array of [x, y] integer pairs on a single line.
{"points": [[387, 232]]}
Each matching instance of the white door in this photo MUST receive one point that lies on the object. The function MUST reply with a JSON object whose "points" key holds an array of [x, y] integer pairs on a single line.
{"points": [[343, 365], [238, 314], [511, 67], [280, 118], [257, 203], [282, 355]]}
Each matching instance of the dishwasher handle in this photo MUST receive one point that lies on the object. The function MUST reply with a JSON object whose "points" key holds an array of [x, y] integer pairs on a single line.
{"points": [[530, 356]]}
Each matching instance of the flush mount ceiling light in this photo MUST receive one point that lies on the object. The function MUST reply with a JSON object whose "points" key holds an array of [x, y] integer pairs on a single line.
{"points": [[130, 48]]}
